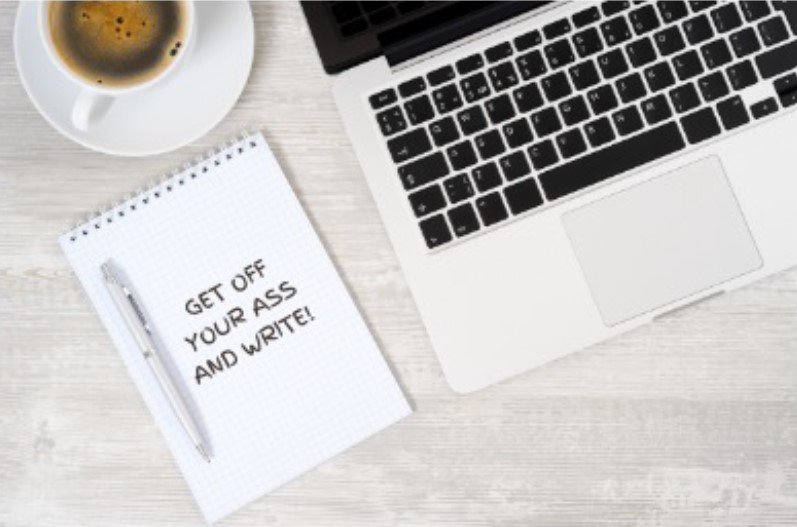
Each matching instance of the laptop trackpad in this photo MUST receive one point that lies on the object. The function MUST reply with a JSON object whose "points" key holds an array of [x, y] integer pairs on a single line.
{"points": [[661, 241]]}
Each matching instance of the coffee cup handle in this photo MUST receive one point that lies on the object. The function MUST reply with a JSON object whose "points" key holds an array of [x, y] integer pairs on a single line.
{"points": [[89, 108]]}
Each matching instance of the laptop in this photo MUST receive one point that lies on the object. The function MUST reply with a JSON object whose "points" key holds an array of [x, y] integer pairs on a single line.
{"points": [[553, 174]]}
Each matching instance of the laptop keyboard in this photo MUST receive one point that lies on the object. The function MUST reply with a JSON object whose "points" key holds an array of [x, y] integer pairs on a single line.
{"points": [[583, 99]]}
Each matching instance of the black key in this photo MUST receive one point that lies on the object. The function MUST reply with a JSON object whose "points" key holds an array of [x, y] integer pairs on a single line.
{"points": [[698, 29], [640, 52], [612, 7], [700, 125], [486, 177], [684, 98], [763, 108], [787, 89], [447, 98], [586, 17], [491, 208], [615, 31], [571, 143], [556, 86], [559, 54], [435, 231], [656, 109], [546, 122], [556, 29], [412, 87], [391, 121], [499, 109], [754, 10], [489, 144], [659, 76], [671, 11], [517, 133], [726, 17], [444, 131], [716, 54], [523, 196], [353, 27], [427, 200], [370, 7], [687, 65], [611, 161], [574, 110], [461, 155], [773, 31], [584, 75], [463, 219], [745, 42], [612, 64], [475, 87], [503, 76], [628, 120], [515, 165], [742, 75], [498, 52], [383, 98], [423, 171], [777, 60], [602, 99], [644, 19], [472, 120], [528, 97], [599, 132], [419, 109], [469, 64], [733, 113], [587, 42], [531, 64], [409, 145], [543, 154], [630, 88], [458, 188], [528, 40], [713, 86], [669, 41], [381, 16], [441, 75], [700, 5]]}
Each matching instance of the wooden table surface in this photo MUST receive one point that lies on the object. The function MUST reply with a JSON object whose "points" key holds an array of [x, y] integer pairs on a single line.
{"points": [[690, 421]]}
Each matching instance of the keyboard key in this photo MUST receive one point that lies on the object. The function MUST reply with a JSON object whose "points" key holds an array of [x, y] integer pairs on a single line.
{"points": [[419, 109], [571, 143], [584, 75], [499, 109], [742, 75], [612, 64], [381, 16], [458, 188], [669, 41], [687, 65], [716, 54], [463, 219], [423, 171], [491, 208], [412, 87], [773, 31], [383, 98], [726, 18], [644, 19], [615, 31], [391, 121], [599, 132], [559, 54], [587, 42], [763, 108], [528, 40], [628, 120], [586, 17], [461, 155], [733, 113], [574, 110], [671, 11], [486, 177], [441, 75], [640, 52], [546, 122], [754, 10], [444, 131], [447, 98], [471, 120], [684, 98], [528, 97], [531, 65], [409, 145], [700, 125], [427, 200], [514, 166], [659, 76], [745, 42], [786, 87], [475, 87], [700, 5], [630, 88], [611, 161], [556, 86], [489, 144], [777, 60], [523, 196], [517, 133], [698, 29], [656, 109], [556, 29], [602, 99], [469, 64], [543, 154], [435, 231], [713, 86], [612, 7], [353, 27], [503, 76], [498, 52]]}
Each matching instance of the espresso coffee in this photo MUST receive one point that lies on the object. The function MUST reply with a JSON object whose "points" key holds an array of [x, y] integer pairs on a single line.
{"points": [[118, 44]]}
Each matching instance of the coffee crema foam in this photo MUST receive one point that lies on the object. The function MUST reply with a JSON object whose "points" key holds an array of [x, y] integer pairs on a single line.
{"points": [[118, 44]]}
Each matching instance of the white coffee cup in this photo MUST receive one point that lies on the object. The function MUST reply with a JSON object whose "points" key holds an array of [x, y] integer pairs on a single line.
{"points": [[94, 100]]}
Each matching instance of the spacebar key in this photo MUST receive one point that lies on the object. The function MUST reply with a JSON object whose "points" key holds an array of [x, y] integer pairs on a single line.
{"points": [[609, 162]]}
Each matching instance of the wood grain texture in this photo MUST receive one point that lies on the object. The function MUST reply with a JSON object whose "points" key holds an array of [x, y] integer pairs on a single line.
{"points": [[691, 421]]}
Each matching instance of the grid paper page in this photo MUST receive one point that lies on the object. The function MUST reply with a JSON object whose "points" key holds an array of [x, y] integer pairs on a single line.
{"points": [[308, 394]]}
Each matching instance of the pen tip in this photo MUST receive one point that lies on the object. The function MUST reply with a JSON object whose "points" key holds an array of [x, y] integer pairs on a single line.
{"points": [[203, 453]]}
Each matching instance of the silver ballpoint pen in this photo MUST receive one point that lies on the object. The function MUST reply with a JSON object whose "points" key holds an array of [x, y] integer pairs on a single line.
{"points": [[142, 333]]}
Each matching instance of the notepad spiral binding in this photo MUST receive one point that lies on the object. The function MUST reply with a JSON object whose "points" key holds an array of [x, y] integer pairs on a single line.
{"points": [[162, 185]]}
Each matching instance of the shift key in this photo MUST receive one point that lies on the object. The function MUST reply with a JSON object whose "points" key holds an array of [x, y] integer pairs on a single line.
{"points": [[423, 171], [406, 146]]}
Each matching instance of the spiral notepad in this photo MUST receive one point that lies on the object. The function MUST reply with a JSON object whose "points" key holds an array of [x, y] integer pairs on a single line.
{"points": [[252, 320]]}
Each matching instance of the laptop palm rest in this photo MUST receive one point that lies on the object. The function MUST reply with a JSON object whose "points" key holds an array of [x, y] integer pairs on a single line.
{"points": [[661, 241]]}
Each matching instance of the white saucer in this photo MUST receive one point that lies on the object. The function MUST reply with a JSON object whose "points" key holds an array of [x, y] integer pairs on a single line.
{"points": [[164, 117]]}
